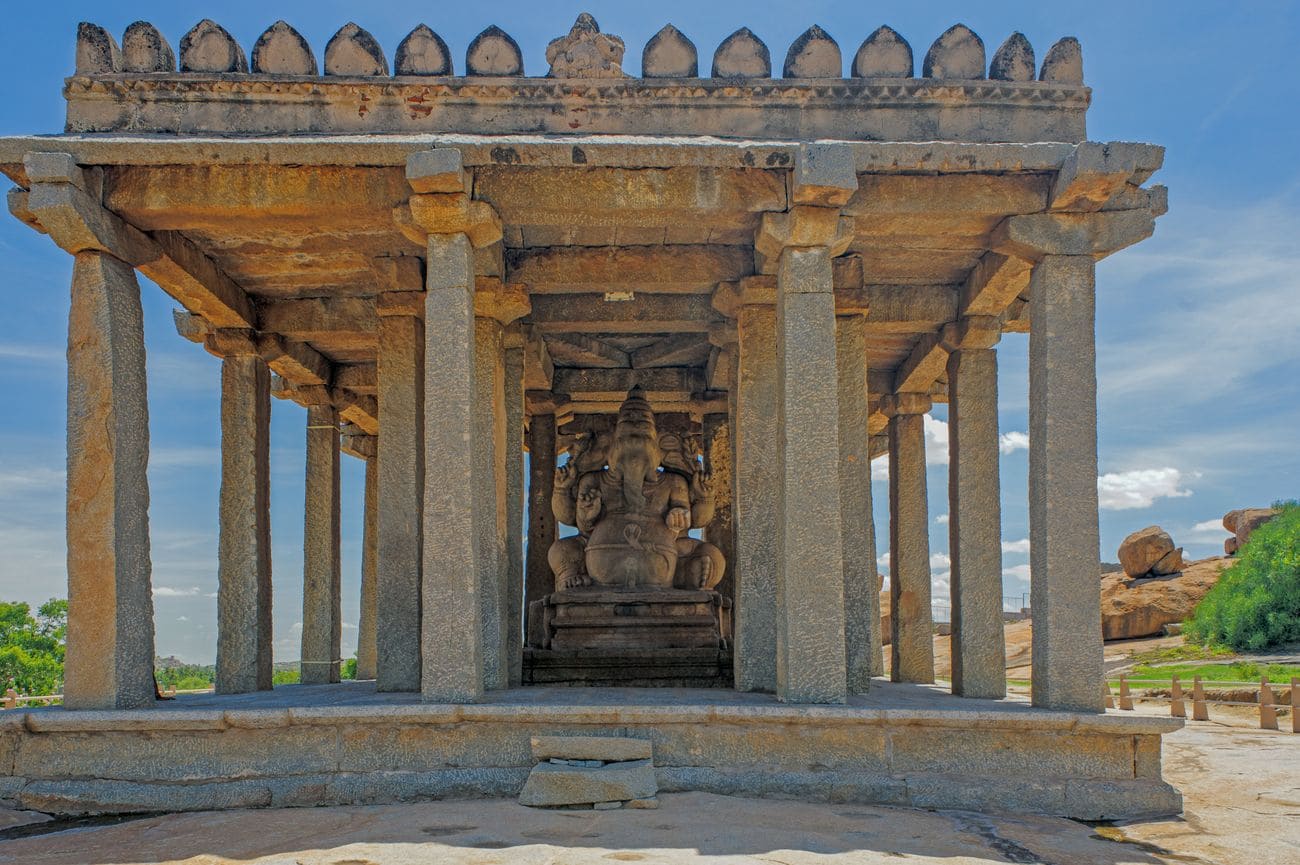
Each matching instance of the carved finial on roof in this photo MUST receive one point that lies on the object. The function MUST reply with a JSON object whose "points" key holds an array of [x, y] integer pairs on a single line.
{"points": [[884, 54], [1064, 62], [209, 48], [957, 54], [282, 50], [669, 54], [585, 52], [353, 51], [97, 51], [494, 52], [145, 50], [813, 55], [422, 52], [742, 55], [1014, 61]]}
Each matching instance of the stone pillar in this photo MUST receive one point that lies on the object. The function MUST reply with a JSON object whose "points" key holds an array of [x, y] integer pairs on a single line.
{"points": [[1063, 532], [975, 518], [754, 498], [513, 584], [453, 590], [489, 496], [110, 643], [810, 664], [538, 579], [721, 530], [911, 619], [367, 626], [244, 661], [862, 639], [321, 598], [400, 494]]}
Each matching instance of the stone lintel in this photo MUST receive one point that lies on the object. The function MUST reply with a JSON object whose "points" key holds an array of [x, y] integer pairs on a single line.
{"points": [[661, 384], [976, 331], [360, 409], [398, 273], [505, 302], [304, 395], [538, 402], [226, 342], [1036, 235], [190, 326], [399, 303], [1094, 173], [645, 313], [994, 283], [293, 361], [897, 404], [439, 170], [926, 363], [362, 446], [824, 175], [448, 213], [723, 335], [539, 367]]}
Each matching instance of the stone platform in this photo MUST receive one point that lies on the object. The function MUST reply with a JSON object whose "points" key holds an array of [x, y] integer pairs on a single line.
{"points": [[639, 668], [340, 744]]}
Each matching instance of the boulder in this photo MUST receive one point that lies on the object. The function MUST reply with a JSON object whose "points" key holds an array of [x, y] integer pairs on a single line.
{"points": [[1150, 551], [1132, 608], [1242, 522]]}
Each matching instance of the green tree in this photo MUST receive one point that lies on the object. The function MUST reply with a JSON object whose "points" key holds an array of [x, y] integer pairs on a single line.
{"points": [[31, 647], [1256, 603]]}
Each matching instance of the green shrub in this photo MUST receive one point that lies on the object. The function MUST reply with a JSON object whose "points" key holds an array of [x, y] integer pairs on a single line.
{"points": [[1256, 603]]}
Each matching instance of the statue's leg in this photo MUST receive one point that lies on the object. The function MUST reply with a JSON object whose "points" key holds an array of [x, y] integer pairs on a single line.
{"points": [[700, 565], [567, 558]]}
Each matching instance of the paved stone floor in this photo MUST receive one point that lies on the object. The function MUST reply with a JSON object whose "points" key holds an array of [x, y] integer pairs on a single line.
{"points": [[1242, 788]]}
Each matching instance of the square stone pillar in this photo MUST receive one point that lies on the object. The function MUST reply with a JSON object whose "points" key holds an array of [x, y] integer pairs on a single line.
{"points": [[453, 588], [322, 625], [244, 656], [514, 468], [910, 617], [975, 521], [110, 643], [367, 626], [399, 523], [489, 496], [862, 637], [1063, 532], [754, 499], [538, 579], [721, 530], [809, 572]]}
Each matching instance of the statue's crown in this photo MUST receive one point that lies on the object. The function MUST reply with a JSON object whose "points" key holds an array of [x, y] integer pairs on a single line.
{"points": [[635, 403]]}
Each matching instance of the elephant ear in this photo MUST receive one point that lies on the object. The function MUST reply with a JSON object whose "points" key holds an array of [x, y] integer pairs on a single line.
{"points": [[676, 459]]}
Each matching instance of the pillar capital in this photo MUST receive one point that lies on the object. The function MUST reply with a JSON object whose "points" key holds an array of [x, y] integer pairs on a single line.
{"points": [[894, 405], [801, 226], [505, 302], [974, 332], [448, 213], [1035, 236]]}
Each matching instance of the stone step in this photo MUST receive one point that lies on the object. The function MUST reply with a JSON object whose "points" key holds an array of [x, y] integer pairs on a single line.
{"points": [[607, 749], [550, 785]]}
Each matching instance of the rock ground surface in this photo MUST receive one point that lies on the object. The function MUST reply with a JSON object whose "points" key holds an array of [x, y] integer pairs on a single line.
{"points": [[1240, 789]]}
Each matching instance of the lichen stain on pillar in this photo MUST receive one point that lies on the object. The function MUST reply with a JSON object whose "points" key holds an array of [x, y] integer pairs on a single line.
{"points": [[110, 644]]}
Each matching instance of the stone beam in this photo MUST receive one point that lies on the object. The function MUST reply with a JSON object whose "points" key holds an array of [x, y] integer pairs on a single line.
{"points": [[1093, 234], [575, 349], [908, 308], [698, 405], [362, 446], [926, 363], [661, 385], [359, 378], [64, 201], [681, 350], [645, 313], [296, 362], [308, 319], [993, 284], [682, 268], [539, 366], [358, 409], [1094, 173], [948, 195]]}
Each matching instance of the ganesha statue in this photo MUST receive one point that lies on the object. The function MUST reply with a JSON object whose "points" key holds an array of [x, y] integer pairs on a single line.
{"points": [[634, 511]]}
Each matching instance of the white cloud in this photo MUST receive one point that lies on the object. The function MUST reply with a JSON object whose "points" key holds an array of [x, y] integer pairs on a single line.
{"points": [[1011, 442], [173, 592], [1122, 491], [939, 560], [1208, 530], [880, 469], [38, 353], [942, 519], [936, 441], [1020, 546], [1016, 572], [182, 618]]}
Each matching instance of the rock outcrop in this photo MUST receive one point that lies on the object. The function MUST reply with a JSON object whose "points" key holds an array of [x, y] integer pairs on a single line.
{"points": [[1141, 607], [1150, 552], [1241, 523]]}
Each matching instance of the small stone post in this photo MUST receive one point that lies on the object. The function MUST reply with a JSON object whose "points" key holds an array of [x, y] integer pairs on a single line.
{"points": [[244, 639], [911, 618], [1267, 711], [975, 513], [1200, 709], [513, 584], [1063, 532], [321, 597], [367, 626], [754, 499], [862, 638], [538, 579], [1177, 709], [400, 490], [110, 643]]}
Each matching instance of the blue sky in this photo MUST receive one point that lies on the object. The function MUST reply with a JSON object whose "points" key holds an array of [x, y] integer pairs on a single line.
{"points": [[1198, 328]]}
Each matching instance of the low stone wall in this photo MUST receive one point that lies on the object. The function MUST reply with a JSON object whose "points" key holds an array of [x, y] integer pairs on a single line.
{"points": [[1014, 759]]}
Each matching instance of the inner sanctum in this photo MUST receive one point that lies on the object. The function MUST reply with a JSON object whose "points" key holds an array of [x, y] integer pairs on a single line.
{"points": [[618, 353]]}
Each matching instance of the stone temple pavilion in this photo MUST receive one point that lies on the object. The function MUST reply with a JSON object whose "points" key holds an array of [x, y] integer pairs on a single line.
{"points": [[702, 300]]}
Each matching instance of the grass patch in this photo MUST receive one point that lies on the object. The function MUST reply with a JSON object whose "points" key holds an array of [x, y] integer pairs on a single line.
{"points": [[1240, 671], [1185, 652]]}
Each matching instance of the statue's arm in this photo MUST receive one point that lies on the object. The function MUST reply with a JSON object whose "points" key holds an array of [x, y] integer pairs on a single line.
{"points": [[702, 500], [563, 501], [588, 506]]}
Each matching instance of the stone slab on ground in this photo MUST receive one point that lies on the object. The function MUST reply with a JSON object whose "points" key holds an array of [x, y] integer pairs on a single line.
{"points": [[609, 749], [550, 785]]}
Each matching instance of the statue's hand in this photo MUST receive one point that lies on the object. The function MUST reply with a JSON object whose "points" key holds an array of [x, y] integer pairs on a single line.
{"points": [[678, 519], [565, 475], [701, 485]]}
